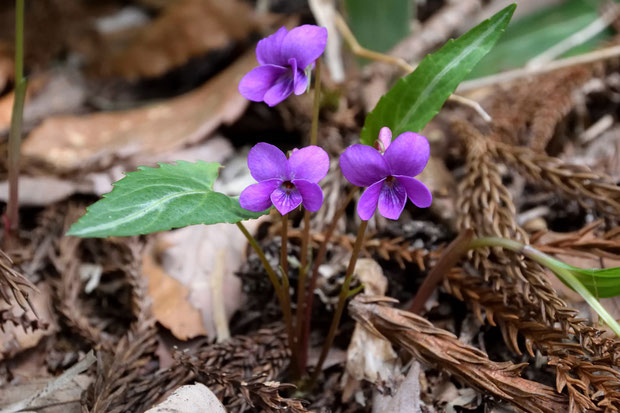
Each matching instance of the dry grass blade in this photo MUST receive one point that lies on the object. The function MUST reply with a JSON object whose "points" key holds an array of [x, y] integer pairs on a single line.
{"points": [[388, 248], [575, 182], [588, 241], [441, 348], [15, 285]]}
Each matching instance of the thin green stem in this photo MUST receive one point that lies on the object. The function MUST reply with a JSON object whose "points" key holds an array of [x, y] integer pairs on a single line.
{"points": [[314, 131], [15, 133], [342, 299], [320, 257], [560, 269], [273, 277]]}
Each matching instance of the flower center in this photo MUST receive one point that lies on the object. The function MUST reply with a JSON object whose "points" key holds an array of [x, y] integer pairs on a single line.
{"points": [[288, 186], [390, 181]]}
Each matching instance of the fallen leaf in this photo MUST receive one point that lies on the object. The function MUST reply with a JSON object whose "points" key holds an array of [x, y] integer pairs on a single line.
{"points": [[170, 302], [407, 397], [185, 29], [369, 357], [13, 339], [39, 191], [57, 92], [66, 399], [194, 398], [52, 386], [70, 142], [196, 257]]}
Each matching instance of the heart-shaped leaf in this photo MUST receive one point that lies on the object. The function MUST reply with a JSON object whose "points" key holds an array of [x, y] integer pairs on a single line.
{"points": [[159, 199]]}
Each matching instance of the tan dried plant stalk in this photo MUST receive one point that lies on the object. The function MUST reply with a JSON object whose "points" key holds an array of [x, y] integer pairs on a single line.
{"points": [[485, 205], [583, 369], [528, 113], [14, 285], [440, 348], [575, 182], [389, 248], [589, 241]]}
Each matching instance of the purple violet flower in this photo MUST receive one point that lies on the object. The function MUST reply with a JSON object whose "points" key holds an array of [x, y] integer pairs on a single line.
{"points": [[283, 182], [387, 172], [283, 58]]}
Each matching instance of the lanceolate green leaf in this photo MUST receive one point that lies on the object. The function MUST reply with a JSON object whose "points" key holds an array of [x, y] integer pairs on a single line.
{"points": [[602, 282], [417, 98], [158, 199]]}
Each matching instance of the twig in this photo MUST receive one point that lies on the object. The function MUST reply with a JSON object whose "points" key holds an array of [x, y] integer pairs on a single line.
{"points": [[449, 258], [595, 56], [54, 384], [406, 68], [575, 39]]}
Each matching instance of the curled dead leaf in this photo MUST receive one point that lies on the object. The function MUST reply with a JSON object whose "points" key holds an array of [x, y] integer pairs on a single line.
{"points": [[70, 142], [185, 29], [195, 398]]}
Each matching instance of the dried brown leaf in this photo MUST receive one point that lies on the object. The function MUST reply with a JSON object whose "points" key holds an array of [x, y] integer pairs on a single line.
{"points": [[432, 345], [185, 29], [70, 142]]}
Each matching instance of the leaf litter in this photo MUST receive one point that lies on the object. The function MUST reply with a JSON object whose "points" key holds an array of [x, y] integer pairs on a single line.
{"points": [[533, 349]]}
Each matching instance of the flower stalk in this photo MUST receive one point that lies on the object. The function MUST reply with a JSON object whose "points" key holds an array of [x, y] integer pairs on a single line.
{"points": [[15, 132], [318, 260], [273, 277], [305, 239], [345, 293]]}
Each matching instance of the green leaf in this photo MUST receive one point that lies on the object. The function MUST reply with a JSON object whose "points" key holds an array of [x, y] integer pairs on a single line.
{"points": [[379, 25], [531, 35], [159, 199], [417, 98], [602, 282]]}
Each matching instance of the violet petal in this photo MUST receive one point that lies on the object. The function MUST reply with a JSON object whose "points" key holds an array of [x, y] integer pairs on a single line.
{"points": [[257, 197], [408, 154], [280, 90], [368, 201], [268, 49], [267, 162], [259, 80], [300, 82], [285, 200], [310, 163], [311, 194], [305, 43], [385, 137], [392, 199], [417, 192], [363, 165]]}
